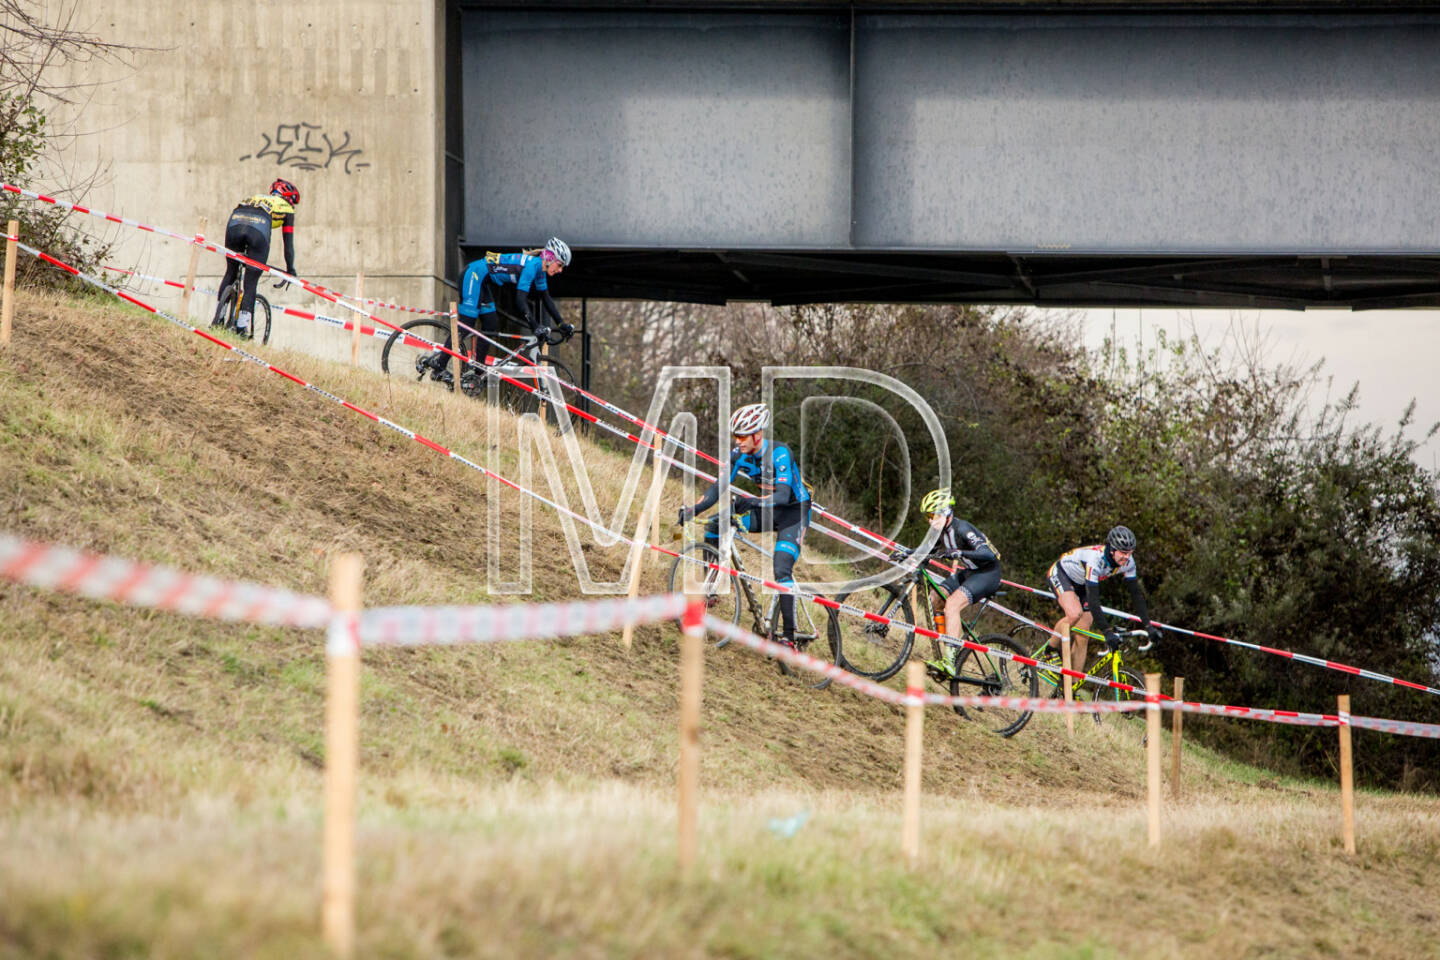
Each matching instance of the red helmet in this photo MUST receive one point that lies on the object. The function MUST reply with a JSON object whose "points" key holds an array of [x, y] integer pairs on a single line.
{"points": [[286, 190]]}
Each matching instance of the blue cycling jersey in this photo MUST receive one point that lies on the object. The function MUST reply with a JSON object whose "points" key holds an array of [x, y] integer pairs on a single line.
{"points": [[521, 269], [774, 470]]}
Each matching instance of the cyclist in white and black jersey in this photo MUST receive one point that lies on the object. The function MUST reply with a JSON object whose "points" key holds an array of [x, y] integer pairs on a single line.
{"points": [[977, 575], [1076, 579]]}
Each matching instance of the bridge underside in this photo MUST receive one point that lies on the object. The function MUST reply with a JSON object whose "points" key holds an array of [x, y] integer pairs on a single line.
{"points": [[1362, 283], [960, 153]]}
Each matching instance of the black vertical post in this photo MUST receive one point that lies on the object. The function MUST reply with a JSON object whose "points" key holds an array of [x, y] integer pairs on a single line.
{"points": [[585, 351]]}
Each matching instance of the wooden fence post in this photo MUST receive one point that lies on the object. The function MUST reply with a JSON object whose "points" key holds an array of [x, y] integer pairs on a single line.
{"points": [[914, 730], [455, 341], [1152, 754], [355, 319], [1069, 688], [190, 273], [1176, 723], [341, 749], [692, 670], [7, 297], [1347, 776]]}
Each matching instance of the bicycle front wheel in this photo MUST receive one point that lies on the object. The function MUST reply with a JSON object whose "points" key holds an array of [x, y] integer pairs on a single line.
{"points": [[1131, 724], [868, 648], [708, 583], [406, 353], [994, 674]]}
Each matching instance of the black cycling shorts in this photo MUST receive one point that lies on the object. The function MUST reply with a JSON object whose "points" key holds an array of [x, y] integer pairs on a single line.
{"points": [[975, 584], [1060, 582]]}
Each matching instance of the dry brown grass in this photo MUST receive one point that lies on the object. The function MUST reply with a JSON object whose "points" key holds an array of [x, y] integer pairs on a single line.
{"points": [[159, 776]]}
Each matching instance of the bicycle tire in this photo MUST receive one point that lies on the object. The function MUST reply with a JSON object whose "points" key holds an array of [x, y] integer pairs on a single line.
{"points": [[1128, 721], [1033, 640], [805, 643], [866, 648], [717, 604], [226, 308], [402, 351], [262, 309], [994, 676], [549, 375]]}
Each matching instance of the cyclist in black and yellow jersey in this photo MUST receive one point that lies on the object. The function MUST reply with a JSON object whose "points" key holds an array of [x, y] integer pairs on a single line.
{"points": [[248, 232], [976, 576]]}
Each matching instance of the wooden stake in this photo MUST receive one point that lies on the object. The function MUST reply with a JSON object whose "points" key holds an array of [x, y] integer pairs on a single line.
{"points": [[914, 729], [341, 749], [355, 319], [7, 295], [1347, 776], [648, 512], [190, 273], [1069, 688], [455, 341], [692, 669], [1176, 722], [1152, 755]]}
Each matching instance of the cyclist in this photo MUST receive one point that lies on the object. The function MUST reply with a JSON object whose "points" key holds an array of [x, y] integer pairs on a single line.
{"points": [[783, 506], [248, 232], [976, 577], [528, 272], [1076, 579]]}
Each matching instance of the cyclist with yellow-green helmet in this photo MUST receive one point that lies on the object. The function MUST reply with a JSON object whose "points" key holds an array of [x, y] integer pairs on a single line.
{"points": [[977, 572]]}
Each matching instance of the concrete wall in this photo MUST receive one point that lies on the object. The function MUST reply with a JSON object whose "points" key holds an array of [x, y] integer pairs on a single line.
{"points": [[342, 97]]}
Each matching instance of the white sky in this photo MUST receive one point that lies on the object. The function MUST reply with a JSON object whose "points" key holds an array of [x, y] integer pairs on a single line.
{"points": [[1392, 354]]}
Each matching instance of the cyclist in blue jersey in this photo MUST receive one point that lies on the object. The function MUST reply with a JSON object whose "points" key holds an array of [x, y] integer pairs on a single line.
{"points": [[1083, 569], [528, 272], [783, 506]]}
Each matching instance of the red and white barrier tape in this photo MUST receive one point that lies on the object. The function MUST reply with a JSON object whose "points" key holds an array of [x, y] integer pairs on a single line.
{"points": [[162, 588], [815, 507], [423, 626], [559, 508]]}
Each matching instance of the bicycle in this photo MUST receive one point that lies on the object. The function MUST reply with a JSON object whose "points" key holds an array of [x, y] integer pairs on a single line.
{"points": [[1110, 666], [878, 650], [724, 600], [407, 352], [228, 311]]}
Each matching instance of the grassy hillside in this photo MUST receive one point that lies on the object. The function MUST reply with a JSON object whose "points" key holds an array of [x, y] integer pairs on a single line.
{"points": [[160, 777]]}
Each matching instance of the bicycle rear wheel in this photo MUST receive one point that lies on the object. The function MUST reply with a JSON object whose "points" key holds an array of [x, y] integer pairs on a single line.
{"points": [[809, 638], [260, 322], [865, 647], [710, 582], [994, 675], [405, 353], [1033, 641]]}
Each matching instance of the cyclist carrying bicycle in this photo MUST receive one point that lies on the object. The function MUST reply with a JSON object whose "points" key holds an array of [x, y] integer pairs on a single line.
{"points": [[248, 232], [1076, 579], [783, 506], [977, 575], [528, 272]]}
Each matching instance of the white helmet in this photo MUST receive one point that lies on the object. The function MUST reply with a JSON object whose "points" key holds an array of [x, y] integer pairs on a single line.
{"points": [[560, 249], [749, 419]]}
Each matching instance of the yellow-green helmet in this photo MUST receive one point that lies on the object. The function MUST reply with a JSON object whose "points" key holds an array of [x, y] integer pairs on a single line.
{"points": [[937, 501]]}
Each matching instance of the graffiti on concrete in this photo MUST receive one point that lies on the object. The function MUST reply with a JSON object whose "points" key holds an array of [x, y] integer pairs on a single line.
{"points": [[307, 146]]}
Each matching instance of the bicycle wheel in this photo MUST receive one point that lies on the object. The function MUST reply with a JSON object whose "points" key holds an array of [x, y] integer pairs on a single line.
{"points": [[226, 308], [405, 353], [1131, 723], [544, 391], [726, 606], [994, 675], [867, 648], [1033, 641], [260, 321], [809, 638]]}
